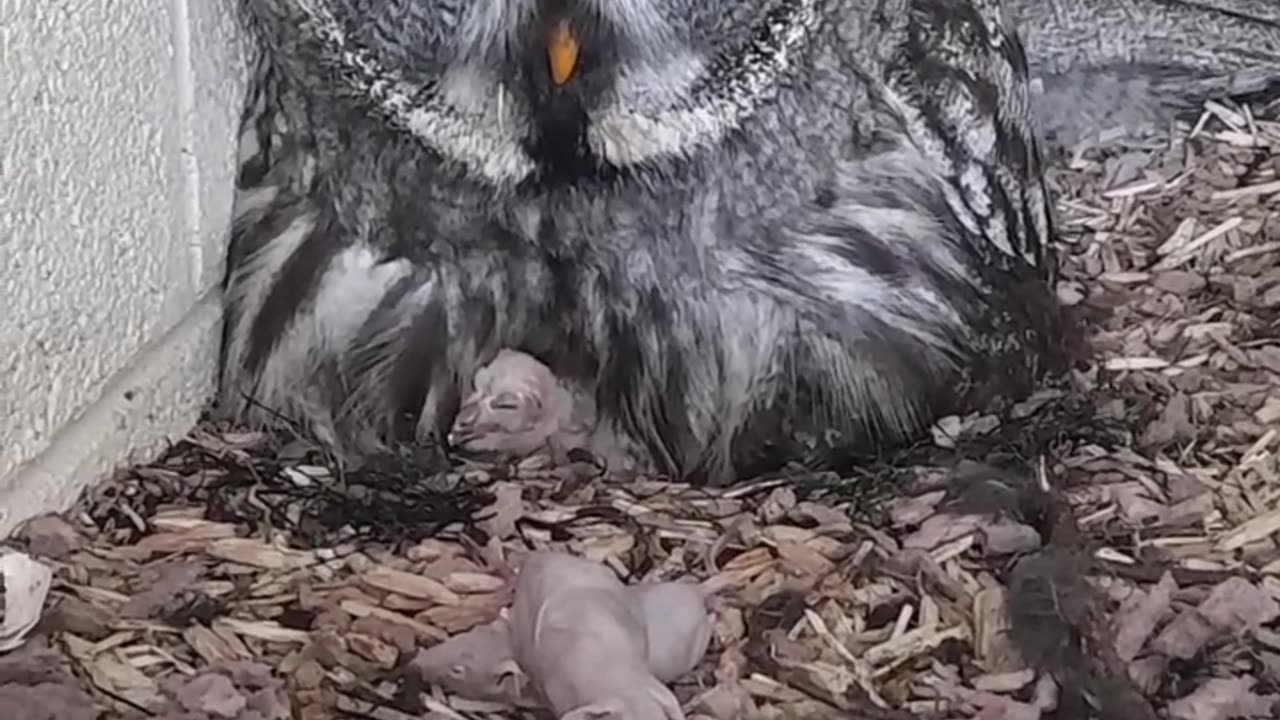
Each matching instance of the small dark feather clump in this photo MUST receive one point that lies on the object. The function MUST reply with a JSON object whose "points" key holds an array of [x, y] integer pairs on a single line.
{"points": [[1058, 623]]}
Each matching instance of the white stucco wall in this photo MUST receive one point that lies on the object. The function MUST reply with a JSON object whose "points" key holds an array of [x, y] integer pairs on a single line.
{"points": [[118, 121]]}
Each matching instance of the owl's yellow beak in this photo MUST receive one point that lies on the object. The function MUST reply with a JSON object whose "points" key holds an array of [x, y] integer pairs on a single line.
{"points": [[562, 53]]}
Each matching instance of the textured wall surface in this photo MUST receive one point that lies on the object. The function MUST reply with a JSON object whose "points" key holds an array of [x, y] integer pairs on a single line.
{"points": [[117, 155]]}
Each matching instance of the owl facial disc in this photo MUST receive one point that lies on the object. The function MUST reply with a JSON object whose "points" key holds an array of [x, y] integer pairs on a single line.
{"points": [[562, 52]]}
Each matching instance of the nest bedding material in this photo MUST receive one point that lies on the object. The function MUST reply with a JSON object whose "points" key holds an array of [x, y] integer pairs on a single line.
{"points": [[1109, 548]]}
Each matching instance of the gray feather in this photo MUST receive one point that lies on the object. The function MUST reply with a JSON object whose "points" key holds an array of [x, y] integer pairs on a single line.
{"points": [[744, 225], [1099, 64]]}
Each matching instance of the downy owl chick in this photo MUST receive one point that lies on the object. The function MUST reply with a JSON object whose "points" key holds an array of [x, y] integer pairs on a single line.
{"points": [[737, 223], [516, 407], [519, 411]]}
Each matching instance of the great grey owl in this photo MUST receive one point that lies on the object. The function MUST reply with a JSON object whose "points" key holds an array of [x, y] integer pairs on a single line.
{"points": [[736, 222]]}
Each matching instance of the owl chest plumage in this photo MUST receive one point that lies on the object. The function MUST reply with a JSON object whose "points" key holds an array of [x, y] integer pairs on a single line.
{"points": [[723, 281]]}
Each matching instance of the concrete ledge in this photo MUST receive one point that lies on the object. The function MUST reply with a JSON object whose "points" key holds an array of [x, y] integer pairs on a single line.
{"points": [[159, 397]]}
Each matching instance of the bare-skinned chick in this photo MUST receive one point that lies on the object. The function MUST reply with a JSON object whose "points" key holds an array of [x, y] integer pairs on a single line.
{"points": [[677, 626], [583, 644], [480, 664], [476, 664]]}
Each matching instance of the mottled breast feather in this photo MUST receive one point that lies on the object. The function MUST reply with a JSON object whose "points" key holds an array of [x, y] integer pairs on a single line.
{"points": [[960, 78], [791, 230]]}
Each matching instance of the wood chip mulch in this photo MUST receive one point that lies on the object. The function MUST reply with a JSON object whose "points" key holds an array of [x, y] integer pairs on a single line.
{"points": [[1109, 548]]}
